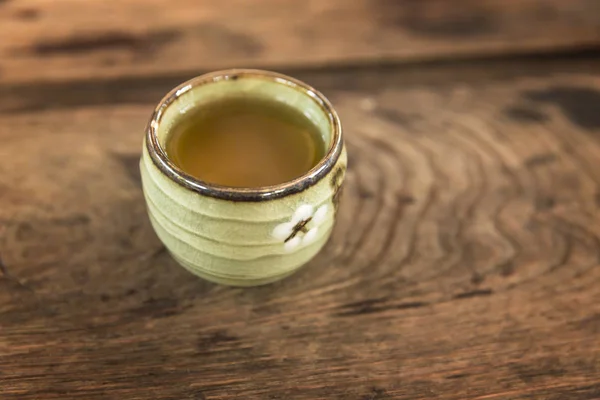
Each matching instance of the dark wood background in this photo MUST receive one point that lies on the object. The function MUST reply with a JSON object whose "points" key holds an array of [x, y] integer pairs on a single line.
{"points": [[465, 263]]}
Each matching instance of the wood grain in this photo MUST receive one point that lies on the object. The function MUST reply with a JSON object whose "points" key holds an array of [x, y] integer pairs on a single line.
{"points": [[464, 264], [67, 39]]}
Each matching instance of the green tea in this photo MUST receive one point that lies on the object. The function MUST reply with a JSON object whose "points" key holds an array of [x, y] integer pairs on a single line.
{"points": [[245, 142]]}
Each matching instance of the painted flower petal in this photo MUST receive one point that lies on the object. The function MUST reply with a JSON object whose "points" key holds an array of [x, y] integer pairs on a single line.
{"points": [[282, 231], [320, 214], [292, 244], [303, 212], [310, 236]]}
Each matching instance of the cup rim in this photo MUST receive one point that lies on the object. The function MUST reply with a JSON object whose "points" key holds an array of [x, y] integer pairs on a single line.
{"points": [[163, 163]]}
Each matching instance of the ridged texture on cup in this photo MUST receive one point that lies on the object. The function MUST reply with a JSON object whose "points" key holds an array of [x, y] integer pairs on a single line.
{"points": [[241, 243]]}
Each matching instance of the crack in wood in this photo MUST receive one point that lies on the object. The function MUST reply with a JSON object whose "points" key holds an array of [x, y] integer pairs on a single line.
{"points": [[474, 293], [112, 40]]}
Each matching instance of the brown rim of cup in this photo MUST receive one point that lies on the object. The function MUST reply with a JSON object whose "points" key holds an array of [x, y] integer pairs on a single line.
{"points": [[311, 177]]}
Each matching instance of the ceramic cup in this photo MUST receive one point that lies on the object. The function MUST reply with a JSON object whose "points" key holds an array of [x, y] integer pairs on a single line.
{"points": [[242, 236]]}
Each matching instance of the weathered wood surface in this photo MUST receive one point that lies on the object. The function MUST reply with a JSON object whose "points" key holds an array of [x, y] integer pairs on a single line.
{"points": [[66, 39], [464, 264]]}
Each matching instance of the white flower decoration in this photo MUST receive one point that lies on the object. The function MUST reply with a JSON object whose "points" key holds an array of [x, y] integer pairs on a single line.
{"points": [[296, 232]]}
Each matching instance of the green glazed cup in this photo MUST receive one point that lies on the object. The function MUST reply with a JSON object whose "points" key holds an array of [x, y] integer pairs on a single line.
{"points": [[242, 236]]}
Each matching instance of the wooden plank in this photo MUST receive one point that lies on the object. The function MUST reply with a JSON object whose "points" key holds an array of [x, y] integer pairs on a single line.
{"points": [[67, 39], [464, 263]]}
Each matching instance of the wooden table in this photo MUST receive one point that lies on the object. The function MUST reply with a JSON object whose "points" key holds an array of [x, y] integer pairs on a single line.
{"points": [[465, 263]]}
